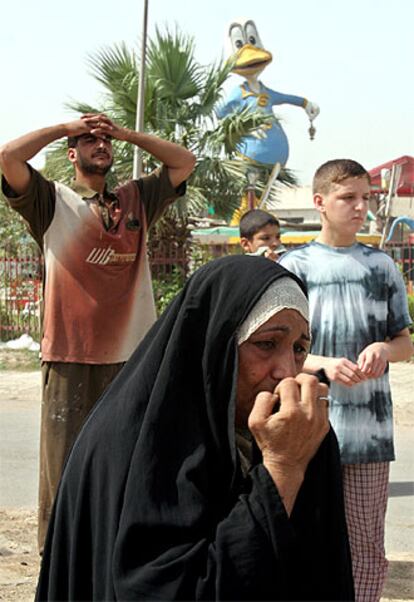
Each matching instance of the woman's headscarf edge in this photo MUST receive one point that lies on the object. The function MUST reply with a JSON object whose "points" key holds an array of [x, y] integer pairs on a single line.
{"points": [[281, 272]]}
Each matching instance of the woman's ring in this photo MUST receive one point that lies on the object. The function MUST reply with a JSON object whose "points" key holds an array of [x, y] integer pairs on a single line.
{"points": [[325, 399]]}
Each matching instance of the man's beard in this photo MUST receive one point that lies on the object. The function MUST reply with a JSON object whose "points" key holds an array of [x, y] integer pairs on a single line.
{"points": [[91, 168]]}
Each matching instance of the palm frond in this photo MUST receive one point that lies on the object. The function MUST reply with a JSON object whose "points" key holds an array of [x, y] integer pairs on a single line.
{"points": [[180, 100], [81, 107], [116, 69], [228, 132], [212, 92], [172, 67], [57, 166]]}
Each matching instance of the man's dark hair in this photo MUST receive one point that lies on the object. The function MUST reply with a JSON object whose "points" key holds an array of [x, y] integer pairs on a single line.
{"points": [[73, 141], [334, 172], [254, 220]]}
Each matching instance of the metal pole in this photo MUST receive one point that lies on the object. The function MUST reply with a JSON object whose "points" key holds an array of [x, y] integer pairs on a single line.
{"points": [[139, 121], [272, 178], [252, 174], [391, 191], [251, 196]]}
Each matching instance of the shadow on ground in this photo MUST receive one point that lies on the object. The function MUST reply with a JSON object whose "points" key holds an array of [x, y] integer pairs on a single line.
{"points": [[401, 489], [400, 581]]}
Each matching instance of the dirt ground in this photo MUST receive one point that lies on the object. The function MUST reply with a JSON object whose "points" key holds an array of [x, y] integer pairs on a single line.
{"points": [[19, 562]]}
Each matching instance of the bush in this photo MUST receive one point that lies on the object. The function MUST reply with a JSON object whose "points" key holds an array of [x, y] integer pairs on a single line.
{"points": [[411, 308], [166, 288], [411, 312]]}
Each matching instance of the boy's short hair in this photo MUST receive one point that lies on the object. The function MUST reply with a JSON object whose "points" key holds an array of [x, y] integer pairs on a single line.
{"points": [[254, 220], [334, 172]]}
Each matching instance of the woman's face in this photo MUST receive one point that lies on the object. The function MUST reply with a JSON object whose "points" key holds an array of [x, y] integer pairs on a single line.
{"points": [[276, 350]]}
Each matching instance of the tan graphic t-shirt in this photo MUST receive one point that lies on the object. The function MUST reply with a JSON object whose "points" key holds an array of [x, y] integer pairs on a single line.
{"points": [[98, 300]]}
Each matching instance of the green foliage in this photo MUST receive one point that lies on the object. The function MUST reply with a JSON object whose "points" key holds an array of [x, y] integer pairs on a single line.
{"points": [[174, 73], [57, 167], [14, 323], [116, 69], [411, 309], [12, 226], [19, 359], [200, 255], [166, 287], [180, 96]]}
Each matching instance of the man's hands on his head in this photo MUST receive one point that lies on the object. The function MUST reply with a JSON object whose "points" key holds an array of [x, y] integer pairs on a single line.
{"points": [[98, 124], [15, 154], [289, 438], [178, 160]]}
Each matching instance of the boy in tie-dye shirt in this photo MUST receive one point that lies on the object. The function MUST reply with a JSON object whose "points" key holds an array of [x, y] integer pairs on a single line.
{"points": [[359, 318]]}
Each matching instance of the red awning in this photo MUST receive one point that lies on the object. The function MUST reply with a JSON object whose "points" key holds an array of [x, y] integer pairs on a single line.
{"points": [[405, 185]]}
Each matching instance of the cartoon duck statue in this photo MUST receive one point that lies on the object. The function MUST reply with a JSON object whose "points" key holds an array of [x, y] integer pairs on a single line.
{"points": [[268, 146]]}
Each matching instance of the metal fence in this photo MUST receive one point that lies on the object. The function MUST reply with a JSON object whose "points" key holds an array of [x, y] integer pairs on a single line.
{"points": [[166, 258], [403, 256], [21, 277], [20, 292], [21, 274]]}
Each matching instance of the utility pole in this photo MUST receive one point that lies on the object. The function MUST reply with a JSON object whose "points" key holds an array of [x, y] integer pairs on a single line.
{"points": [[139, 121]]}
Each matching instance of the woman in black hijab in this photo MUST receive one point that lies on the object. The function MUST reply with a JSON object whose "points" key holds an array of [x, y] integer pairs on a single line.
{"points": [[159, 502]]}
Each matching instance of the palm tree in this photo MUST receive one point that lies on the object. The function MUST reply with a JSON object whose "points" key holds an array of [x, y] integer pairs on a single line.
{"points": [[180, 97]]}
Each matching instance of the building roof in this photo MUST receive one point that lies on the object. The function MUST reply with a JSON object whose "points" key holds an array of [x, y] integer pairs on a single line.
{"points": [[405, 184], [292, 197]]}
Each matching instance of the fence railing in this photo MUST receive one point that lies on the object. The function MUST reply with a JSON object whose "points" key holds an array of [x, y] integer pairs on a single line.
{"points": [[20, 292], [403, 256], [21, 276]]}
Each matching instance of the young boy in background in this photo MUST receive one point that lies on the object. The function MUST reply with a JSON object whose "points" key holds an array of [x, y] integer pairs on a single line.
{"points": [[260, 234], [359, 320]]}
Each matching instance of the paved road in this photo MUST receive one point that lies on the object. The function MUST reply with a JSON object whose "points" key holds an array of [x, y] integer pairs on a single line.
{"points": [[399, 534], [19, 438], [19, 441]]}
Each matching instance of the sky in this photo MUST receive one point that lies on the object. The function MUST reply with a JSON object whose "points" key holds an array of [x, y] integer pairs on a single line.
{"points": [[352, 58]]}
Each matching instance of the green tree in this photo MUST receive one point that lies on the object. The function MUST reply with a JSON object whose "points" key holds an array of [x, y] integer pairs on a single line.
{"points": [[180, 97], [12, 227]]}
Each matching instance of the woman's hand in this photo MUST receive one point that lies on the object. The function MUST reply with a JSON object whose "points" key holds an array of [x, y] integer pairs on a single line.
{"points": [[289, 438]]}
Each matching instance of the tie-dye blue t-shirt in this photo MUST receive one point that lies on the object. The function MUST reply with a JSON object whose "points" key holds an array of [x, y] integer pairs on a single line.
{"points": [[356, 297]]}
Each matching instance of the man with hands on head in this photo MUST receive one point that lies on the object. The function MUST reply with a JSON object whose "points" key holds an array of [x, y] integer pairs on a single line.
{"points": [[98, 300]]}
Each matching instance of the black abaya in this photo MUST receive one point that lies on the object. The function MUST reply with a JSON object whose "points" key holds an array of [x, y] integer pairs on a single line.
{"points": [[153, 505]]}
